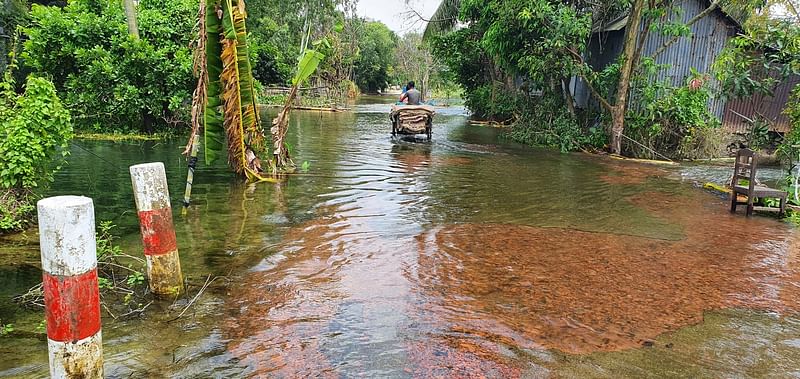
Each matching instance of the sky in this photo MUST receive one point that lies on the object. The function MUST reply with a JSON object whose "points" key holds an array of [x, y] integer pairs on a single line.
{"points": [[394, 13]]}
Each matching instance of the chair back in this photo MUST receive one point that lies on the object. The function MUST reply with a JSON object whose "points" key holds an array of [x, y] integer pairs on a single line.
{"points": [[745, 167]]}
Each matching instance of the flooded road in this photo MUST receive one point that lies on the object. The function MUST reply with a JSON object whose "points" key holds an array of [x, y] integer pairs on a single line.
{"points": [[466, 257]]}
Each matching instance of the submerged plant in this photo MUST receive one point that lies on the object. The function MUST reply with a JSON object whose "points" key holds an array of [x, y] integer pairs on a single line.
{"points": [[306, 66], [224, 102]]}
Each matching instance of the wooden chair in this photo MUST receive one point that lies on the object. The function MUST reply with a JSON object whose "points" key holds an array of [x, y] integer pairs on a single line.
{"points": [[745, 169]]}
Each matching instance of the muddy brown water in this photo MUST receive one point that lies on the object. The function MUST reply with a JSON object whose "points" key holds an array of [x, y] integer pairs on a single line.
{"points": [[466, 257]]}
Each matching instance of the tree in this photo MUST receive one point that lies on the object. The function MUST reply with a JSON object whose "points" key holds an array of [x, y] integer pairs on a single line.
{"points": [[543, 44], [762, 57], [279, 28], [110, 81], [444, 19], [374, 67], [414, 61], [12, 14]]}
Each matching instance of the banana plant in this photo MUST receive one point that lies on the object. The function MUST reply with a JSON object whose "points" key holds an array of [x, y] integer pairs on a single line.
{"points": [[306, 66], [224, 104]]}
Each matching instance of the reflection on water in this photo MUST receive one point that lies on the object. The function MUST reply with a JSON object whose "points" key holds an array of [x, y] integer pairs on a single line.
{"points": [[463, 257]]}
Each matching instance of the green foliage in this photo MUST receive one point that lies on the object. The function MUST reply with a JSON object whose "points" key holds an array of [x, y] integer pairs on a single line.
{"points": [[33, 127], [106, 249], [6, 329], [276, 32], [13, 13], [789, 150], [758, 137], [110, 258], [793, 108], [760, 58], [540, 126], [373, 69], [111, 81], [675, 120], [532, 37], [307, 65], [494, 103], [16, 209], [471, 69]]}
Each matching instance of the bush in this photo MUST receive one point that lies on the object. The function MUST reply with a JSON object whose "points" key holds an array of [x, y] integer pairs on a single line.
{"points": [[110, 81], [705, 142], [33, 127], [546, 122], [675, 121]]}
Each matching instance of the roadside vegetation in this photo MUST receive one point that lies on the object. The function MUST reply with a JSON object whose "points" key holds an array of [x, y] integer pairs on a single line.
{"points": [[515, 61], [34, 127]]}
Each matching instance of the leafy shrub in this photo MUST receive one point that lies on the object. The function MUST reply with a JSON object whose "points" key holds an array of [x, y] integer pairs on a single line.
{"points": [[111, 81], [33, 127], [493, 103], [676, 121], [546, 123], [16, 207], [705, 142]]}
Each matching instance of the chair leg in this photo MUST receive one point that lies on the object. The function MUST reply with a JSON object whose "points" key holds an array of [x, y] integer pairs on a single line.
{"points": [[783, 206], [749, 205], [733, 202]]}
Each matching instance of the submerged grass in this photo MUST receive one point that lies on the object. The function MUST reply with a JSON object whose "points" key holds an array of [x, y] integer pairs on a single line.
{"points": [[119, 137]]}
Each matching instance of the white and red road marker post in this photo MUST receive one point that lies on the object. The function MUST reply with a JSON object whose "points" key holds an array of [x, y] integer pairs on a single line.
{"points": [[71, 292], [158, 234]]}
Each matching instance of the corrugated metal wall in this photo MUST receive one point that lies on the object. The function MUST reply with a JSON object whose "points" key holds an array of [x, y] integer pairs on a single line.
{"points": [[697, 51], [738, 111]]}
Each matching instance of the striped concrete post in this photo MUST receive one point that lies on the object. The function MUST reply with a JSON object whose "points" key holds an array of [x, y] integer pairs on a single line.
{"points": [[158, 234], [71, 293]]}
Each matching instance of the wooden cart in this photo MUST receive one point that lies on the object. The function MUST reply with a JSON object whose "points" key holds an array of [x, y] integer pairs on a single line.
{"points": [[412, 120]]}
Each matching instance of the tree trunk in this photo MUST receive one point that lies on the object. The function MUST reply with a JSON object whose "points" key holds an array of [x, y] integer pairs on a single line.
{"points": [[280, 125], [130, 14], [629, 49]]}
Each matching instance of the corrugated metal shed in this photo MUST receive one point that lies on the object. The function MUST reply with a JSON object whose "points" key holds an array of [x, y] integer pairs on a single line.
{"points": [[697, 51], [738, 112]]}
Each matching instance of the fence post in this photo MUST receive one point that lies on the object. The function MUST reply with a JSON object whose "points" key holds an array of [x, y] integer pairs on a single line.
{"points": [[158, 234], [71, 292]]}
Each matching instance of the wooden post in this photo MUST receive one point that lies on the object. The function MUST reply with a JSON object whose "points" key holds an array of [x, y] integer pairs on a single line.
{"points": [[71, 292], [158, 234]]}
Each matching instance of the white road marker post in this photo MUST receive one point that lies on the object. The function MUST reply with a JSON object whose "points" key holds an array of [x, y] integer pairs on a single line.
{"points": [[158, 233], [71, 292]]}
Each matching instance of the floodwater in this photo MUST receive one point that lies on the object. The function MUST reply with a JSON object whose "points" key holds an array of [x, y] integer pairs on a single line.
{"points": [[466, 257]]}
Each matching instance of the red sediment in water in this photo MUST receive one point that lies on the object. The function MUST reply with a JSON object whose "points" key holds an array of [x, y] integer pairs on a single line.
{"points": [[582, 292], [278, 317], [454, 357], [470, 292]]}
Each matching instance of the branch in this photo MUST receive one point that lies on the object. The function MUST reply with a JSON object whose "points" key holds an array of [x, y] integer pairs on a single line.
{"points": [[714, 5], [593, 90]]}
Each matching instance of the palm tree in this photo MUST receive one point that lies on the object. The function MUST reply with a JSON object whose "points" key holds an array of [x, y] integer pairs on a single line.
{"points": [[443, 20]]}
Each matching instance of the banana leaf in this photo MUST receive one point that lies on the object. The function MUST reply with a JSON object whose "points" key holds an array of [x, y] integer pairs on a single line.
{"points": [[214, 132], [307, 66], [250, 116], [238, 99]]}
